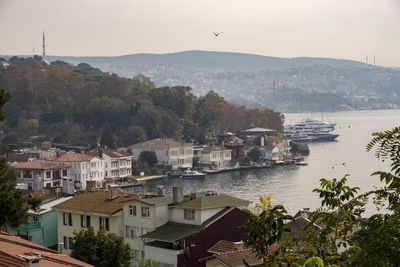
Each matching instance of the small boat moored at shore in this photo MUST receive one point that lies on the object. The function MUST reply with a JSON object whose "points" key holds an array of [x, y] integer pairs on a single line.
{"points": [[192, 174]]}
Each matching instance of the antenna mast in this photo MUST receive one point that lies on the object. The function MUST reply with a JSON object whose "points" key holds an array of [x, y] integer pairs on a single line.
{"points": [[44, 45]]}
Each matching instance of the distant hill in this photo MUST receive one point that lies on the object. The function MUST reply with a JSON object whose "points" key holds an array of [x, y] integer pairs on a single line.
{"points": [[212, 61], [284, 84]]}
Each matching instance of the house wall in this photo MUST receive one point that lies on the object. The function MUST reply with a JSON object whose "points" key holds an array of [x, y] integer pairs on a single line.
{"points": [[201, 215], [177, 215], [142, 223], [226, 228], [116, 225], [163, 256], [49, 228], [83, 171], [117, 167], [178, 157], [219, 158], [206, 214], [162, 215]]}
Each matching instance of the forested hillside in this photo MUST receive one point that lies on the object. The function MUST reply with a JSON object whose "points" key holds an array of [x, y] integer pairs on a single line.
{"points": [[77, 105]]}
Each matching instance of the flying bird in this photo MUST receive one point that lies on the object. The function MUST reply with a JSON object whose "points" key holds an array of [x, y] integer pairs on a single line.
{"points": [[217, 33]]}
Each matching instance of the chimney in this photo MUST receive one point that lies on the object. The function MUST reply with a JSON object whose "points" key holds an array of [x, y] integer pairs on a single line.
{"points": [[238, 245], [113, 190], [160, 191], [31, 259], [100, 153], [60, 247], [177, 194], [90, 186]]}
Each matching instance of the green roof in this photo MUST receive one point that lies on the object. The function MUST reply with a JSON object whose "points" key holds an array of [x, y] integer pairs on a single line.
{"points": [[173, 231], [213, 201]]}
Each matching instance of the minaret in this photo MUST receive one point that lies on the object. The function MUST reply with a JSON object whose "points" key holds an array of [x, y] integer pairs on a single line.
{"points": [[44, 46]]}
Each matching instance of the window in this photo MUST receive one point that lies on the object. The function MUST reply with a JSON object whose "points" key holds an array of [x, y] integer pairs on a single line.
{"points": [[67, 219], [132, 232], [35, 219], [70, 242], [189, 214], [65, 242], [64, 173], [48, 174], [85, 221], [104, 223], [145, 212], [132, 210]]}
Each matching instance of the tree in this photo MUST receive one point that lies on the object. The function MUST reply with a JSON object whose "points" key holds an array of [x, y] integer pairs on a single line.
{"points": [[265, 228], [101, 249], [13, 204], [377, 241], [148, 158]]}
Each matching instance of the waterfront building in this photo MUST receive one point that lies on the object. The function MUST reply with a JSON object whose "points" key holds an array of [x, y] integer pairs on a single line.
{"points": [[18, 252], [36, 175], [232, 142], [215, 157], [168, 151], [117, 164], [84, 168]]}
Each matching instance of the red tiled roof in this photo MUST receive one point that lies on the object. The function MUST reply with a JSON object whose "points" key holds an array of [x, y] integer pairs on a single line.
{"points": [[39, 165], [233, 254], [12, 247], [237, 258], [75, 157]]}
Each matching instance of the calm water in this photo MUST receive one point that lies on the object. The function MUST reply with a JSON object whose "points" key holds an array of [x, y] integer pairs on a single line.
{"points": [[292, 185]]}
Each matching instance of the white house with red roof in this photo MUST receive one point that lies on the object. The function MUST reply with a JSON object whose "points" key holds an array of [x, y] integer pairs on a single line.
{"points": [[117, 164], [84, 168]]}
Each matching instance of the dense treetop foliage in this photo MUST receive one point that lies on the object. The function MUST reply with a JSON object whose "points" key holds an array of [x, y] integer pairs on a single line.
{"points": [[13, 203], [78, 104]]}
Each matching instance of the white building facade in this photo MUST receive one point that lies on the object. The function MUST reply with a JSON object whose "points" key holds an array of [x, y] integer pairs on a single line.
{"points": [[84, 168], [216, 157], [168, 151]]}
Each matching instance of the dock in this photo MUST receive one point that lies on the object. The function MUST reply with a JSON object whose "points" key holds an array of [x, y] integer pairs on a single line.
{"points": [[148, 178]]}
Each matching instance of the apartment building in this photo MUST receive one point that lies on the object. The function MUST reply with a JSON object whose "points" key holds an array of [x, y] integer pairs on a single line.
{"points": [[84, 168], [117, 164], [168, 151], [216, 157], [36, 175]]}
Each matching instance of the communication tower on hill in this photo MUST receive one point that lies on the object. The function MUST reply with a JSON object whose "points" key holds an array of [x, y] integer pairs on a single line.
{"points": [[44, 46]]}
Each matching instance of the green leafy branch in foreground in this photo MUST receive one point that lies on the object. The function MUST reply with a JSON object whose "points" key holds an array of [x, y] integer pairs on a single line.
{"points": [[338, 234]]}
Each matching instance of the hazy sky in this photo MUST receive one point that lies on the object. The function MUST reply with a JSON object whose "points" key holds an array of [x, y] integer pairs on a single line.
{"points": [[285, 28]]}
